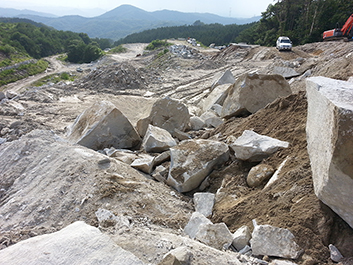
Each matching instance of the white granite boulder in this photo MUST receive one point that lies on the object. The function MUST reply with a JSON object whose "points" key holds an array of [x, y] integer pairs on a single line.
{"points": [[241, 237], [157, 140], [194, 223], [193, 160], [273, 241], [255, 147], [252, 92], [168, 114], [204, 202], [211, 119], [103, 126], [330, 142], [77, 243], [215, 235]]}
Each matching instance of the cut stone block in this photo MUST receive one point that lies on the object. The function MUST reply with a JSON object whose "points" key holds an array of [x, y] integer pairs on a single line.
{"points": [[330, 142]]}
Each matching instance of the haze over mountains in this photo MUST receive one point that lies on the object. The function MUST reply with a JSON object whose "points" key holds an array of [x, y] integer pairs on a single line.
{"points": [[122, 21]]}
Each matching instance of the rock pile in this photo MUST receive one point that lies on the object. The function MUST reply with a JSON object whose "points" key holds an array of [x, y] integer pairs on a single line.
{"points": [[185, 51], [183, 184]]}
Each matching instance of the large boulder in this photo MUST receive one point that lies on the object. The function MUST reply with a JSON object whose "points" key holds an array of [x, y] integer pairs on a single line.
{"points": [[77, 243], [168, 114], [254, 147], [193, 160], [330, 142], [103, 126], [252, 92], [274, 241]]}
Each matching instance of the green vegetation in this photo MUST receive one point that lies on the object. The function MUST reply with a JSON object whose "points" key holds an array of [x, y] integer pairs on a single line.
{"points": [[303, 21], [204, 34], [39, 41], [54, 78], [22, 71], [165, 51], [118, 49], [156, 44], [22, 40]]}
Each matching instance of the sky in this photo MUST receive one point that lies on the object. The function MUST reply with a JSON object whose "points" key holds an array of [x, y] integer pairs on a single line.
{"points": [[225, 8]]}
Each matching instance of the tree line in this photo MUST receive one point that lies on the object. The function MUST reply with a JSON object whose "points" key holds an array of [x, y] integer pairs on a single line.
{"points": [[38, 40], [303, 21], [204, 33]]}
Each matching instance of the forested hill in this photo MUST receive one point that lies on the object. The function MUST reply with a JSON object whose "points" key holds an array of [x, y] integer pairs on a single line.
{"points": [[30, 39], [302, 20], [206, 34]]}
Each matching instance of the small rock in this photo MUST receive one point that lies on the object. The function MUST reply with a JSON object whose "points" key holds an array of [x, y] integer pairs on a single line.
{"points": [[145, 164], [335, 254], [259, 174], [241, 238], [196, 123]]}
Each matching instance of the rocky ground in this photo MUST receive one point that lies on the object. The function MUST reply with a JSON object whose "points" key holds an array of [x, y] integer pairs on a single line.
{"points": [[34, 201]]}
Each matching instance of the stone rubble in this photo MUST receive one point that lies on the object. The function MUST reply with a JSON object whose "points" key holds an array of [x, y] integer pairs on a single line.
{"points": [[241, 238], [186, 166]]}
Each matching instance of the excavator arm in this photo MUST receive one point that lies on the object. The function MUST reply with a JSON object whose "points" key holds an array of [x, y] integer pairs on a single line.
{"points": [[347, 27]]}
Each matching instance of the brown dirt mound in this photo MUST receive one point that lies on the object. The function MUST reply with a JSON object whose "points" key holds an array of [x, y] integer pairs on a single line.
{"points": [[290, 202]]}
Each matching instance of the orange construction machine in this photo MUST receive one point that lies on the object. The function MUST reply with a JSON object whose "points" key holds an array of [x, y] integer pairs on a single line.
{"points": [[345, 32]]}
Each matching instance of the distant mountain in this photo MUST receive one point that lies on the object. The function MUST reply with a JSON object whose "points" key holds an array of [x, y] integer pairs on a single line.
{"points": [[127, 19], [11, 12]]}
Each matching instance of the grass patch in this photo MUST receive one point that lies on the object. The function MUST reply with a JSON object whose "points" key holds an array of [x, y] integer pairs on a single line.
{"points": [[54, 78], [118, 49], [156, 44], [22, 71]]}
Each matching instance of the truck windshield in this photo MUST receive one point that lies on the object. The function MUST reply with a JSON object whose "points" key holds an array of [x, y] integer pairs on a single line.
{"points": [[285, 41]]}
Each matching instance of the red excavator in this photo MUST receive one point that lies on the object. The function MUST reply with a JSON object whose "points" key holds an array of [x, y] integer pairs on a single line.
{"points": [[345, 32]]}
